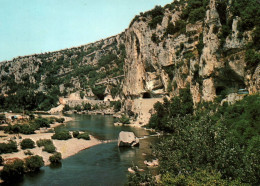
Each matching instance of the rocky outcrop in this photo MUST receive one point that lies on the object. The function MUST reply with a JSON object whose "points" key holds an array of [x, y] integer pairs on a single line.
{"points": [[158, 59], [127, 139]]}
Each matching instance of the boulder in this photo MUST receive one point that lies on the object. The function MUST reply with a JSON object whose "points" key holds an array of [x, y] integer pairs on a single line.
{"points": [[127, 139]]}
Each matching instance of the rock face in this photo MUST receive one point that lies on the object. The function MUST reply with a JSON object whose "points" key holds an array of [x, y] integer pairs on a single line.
{"points": [[127, 139], [157, 60]]}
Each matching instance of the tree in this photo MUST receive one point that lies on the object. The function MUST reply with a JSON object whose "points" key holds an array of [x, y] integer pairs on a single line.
{"points": [[55, 158], [34, 163], [13, 170]]}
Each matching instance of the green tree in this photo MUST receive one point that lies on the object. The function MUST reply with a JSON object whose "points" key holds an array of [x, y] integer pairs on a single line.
{"points": [[33, 163], [13, 170], [55, 158]]}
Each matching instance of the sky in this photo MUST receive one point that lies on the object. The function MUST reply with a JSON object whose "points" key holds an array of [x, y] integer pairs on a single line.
{"points": [[37, 26]]}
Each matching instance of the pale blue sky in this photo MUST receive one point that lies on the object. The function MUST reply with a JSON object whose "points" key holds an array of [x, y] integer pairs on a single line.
{"points": [[35, 26]]}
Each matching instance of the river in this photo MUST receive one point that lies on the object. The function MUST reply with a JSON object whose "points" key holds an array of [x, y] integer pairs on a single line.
{"points": [[104, 164]]}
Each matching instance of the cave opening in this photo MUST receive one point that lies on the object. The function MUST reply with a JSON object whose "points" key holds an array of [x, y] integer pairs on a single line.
{"points": [[219, 90], [147, 95]]}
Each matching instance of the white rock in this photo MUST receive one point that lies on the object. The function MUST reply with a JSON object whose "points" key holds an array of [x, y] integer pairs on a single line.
{"points": [[127, 139]]}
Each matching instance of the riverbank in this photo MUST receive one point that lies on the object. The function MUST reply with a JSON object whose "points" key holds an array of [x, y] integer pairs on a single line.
{"points": [[67, 148]]}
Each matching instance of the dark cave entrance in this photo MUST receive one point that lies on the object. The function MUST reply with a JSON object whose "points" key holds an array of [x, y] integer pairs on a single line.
{"points": [[147, 95], [219, 90]]}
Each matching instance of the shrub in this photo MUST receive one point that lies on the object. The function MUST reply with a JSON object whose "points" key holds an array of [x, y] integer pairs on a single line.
{"points": [[140, 178], [60, 120], [28, 152], [66, 108], [75, 134], [27, 144], [116, 105], [18, 128], [82, 94], [61, 135], [47, 145], [50, 148], [43, 142], [9, 147], [78, 108], [2, 117], [33, 163], [155, 38], [124, 119], [27, 129], [252, 59], [42, 122], [87, 106], [84, 136], [55, 158], [13, 170]]}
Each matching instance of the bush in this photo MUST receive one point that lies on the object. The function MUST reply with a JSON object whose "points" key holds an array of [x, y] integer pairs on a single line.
{"points": [[9, 147], [13, 170], [116, 105], [47, 145], [61, 135], [27, 129], [124, 119], [66, 108], [141, 179], [2, 117], [33, 163], [84, 136], [28, 152], [27, 144], [44, 142], [60, 120], [55, 158], [42, 122], [87, 106], [252, 59], [75, 134], [49, 148]]}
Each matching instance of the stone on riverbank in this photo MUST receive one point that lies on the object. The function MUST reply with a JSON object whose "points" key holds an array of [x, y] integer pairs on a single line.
{"points": [[127, 139]]}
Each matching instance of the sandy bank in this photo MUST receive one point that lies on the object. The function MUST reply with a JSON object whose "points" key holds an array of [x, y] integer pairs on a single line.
{"points": [[65, 147]]}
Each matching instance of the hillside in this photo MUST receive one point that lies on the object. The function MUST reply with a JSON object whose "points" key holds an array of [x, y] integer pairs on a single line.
{"points": [[211, 46]]}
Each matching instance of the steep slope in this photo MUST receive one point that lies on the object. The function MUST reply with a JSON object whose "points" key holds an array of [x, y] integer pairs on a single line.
{"points": [[212, 46], [182, 49]]}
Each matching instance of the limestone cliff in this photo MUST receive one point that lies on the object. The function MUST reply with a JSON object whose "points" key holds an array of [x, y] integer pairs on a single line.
{"points": [[199, 44]]}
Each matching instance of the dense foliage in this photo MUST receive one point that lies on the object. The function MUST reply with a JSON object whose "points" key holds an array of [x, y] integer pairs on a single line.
{"points": [[13, 170], [31, 126], [9, 147], [220, 143], [177, 106]]}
